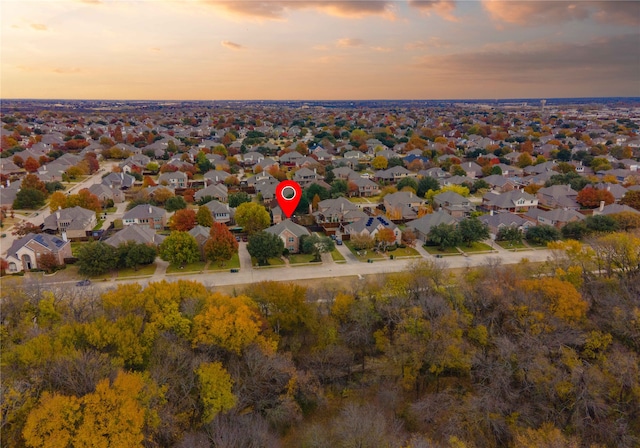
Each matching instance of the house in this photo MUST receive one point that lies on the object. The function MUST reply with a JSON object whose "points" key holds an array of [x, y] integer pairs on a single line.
{"points": [[339, 210], [105, 193], [559, 217], [472, 169], [24, 254], [344, 173], [290, 159], [177, 179], [366, 187], [290, 233], [122, 181], [201, 235], [136, 162], [422, 226], [140, 234], [510, 201], [215, 176], [558, 196], [453, 203], [500, 183], [221, 212], [214, 191], [393, 174], [612, 209], [618, 191], [251, 158], [403, 205], [371, 226], [147, 215], [305, 176], [73, 222], [496, 221]]}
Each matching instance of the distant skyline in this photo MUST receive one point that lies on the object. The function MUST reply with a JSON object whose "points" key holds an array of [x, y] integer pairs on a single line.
{"points": [[318, 50]]}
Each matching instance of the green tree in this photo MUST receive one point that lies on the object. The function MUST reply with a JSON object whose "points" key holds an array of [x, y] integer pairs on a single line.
{"points": [[427, 183], [339, 188], [132, 254], [445, 235], [29, 198], [252, 217], [407, 182], [179, 248], [601, 223], [264, 245], [511, 234], [204, 217], [235, 199], [575, 230], [96, 258], [221, 244], [472, 229], [542, 234], [175, 203], [316, 245]]}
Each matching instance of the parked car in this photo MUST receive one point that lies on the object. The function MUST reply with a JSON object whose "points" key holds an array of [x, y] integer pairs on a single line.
{"points": [[339, 242], [85, 282]]}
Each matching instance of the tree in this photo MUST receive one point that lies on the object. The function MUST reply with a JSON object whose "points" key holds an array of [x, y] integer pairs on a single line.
{"points": [[632, 199], [162, 195], [25, 228], [409, 237], [627, 220], [362, 242], [427, 183], [575, 230], [379, 163], [31, 165], [48, 261], [407, 182], [316, 245], [445, 235], [542, 234], [96, 258], [204, 217], [252, 217], [472, 229], [84, 199], [512, 234], [385, 238], [591, 197], [179, 248], [183, 220], [221, 244], [58, 200], [175, 203], [339, 188], [29, 198], [132, 254], [264, 245], [282, 304], [215, 390], [235, 199], [601, 223], [33, 181]]}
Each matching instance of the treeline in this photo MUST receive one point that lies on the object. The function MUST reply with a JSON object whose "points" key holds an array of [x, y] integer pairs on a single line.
{"points": [[509, 356]]}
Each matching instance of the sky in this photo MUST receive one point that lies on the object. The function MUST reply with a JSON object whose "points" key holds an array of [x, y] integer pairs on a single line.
{"points": [[318, 50]]}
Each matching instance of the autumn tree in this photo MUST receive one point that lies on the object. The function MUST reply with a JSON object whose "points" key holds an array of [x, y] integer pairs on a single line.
{"points": [[264, 245], [57, 201], [204, 217], [84, 199], [161, 195], [179, 248], [409, 237], [385, 238], [379, 163], [591, 197], [215, 390], [24, 228], [31, 165], [252, 217], [221, 245], [183, 220], [283, 304], [632, 199]]}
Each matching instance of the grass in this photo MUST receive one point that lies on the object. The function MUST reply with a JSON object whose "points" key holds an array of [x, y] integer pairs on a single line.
{"points": [[75, 245], [300, 258], [143, 271], [435, 250], [234, 263], [404, 252], [111, 210], [370, 254], [337, 256], [476, 247], [99, 224], [508, 245], [191, 267], [270, 262]]}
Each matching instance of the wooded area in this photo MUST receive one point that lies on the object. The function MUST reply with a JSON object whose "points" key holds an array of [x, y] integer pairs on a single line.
{"points": [[511, 356]]}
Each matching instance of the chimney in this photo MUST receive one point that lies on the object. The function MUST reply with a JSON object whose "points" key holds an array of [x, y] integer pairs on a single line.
{"points": [[150, 210], [341, 206], [490, 212], [64, 236], [608, 187], [411, 194], [601, 206], [58, 214]]}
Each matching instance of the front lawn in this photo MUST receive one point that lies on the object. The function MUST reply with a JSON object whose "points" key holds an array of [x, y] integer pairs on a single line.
{"points": [[363, 255], [234, 263], [476, 247], [143, 271], [300, 258], [191, 267], [435, 250], [270, 262], [510, 245], [337, 256], [404, 252]]}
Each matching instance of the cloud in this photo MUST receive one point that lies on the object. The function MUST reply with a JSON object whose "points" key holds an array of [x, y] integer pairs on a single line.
{"points": [[348, 42], [603, 59], [232, 45], [277, 10], [66, 70], [432, 42], [443, 8], [39, 26], [535, 12], [382, 49]]}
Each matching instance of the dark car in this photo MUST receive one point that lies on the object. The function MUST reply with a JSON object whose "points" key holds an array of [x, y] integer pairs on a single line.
{"points": [[339, 242], [245, 239], [85, 282]]}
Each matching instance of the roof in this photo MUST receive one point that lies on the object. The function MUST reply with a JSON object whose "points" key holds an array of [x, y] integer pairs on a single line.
{"points": [[79, 218], [145, 211], [139, 234], [424, 224], [371, 224], [289, 225], [51, 242]]}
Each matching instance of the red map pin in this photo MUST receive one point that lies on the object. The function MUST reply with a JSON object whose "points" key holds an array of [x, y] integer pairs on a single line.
{"points": [[288, 193]]}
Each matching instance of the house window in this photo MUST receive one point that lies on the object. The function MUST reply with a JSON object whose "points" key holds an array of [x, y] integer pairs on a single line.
{"points": [[291, 239], [13, 267]]}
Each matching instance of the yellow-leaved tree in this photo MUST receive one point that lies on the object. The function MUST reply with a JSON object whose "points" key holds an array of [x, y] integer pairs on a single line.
{"points": [[215, 390]]}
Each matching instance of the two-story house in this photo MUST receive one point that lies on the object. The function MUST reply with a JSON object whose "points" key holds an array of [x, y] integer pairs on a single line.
{"points": [[24, 254], [177, 179], [74, 222], [146, 215], [290, 233]]}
